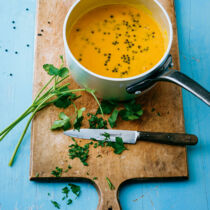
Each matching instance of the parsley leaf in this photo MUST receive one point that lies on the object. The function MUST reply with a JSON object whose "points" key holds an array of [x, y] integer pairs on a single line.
{"points": [[132, 111], [79, 118], [113, 118], [52, 70], [65, 191], [96, 122], [77, 151], [75, 189], [57, 172], [69, 201], [111, 186], [57, 205], [107, 106], [118, 145], [64, 122], [63, 72], [65, 100], [106, 135]]}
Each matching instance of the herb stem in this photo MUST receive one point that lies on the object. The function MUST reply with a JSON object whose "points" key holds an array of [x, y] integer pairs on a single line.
{"points": [[111, 186], [40, 92], [26, 128], [94, 96], [16, 121]]}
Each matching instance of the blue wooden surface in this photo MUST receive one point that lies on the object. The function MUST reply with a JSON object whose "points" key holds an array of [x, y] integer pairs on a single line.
{"points": [[17, 192]]}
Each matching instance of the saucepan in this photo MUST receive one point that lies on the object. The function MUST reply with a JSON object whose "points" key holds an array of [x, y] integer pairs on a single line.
{"points": [[127, 88]]}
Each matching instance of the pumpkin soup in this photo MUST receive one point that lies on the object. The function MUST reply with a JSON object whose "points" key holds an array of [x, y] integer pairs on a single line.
{"points": [[117, 41]]}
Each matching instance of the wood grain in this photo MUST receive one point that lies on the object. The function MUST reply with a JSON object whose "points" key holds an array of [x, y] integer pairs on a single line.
{"points": [[140, 161]]}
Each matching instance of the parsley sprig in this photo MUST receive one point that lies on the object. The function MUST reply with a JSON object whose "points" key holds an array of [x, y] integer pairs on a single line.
{"points": [[53, 92], [128, 110]]}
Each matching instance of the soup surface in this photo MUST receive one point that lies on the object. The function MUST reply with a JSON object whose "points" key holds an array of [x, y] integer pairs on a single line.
{"points": [[117, 41]]}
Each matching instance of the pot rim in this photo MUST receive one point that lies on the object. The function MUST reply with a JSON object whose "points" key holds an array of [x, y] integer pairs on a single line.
{"points": [[111, 78]]}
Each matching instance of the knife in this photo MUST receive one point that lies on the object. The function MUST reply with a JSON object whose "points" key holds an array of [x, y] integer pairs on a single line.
{"points": [[130, 137]]}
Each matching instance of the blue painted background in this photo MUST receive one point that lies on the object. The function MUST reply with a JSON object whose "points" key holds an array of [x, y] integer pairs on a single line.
{"points": [[16, 70]]}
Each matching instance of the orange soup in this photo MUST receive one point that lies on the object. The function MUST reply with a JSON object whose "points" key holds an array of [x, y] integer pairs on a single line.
{"points": [[117, 41]]}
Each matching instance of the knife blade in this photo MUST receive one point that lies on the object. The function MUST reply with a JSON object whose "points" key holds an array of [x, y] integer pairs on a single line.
{"points": [[130, 137]]}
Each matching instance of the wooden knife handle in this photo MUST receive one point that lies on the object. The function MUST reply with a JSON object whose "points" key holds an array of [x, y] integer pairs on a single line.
{"points": [[168, 138]]}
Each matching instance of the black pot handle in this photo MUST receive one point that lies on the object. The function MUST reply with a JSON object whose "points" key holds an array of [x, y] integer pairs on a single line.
{"points": [[173, 76]]}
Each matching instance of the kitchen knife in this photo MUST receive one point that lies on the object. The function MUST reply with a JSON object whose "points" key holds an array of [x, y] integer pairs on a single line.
{"points": [[130, 137]]}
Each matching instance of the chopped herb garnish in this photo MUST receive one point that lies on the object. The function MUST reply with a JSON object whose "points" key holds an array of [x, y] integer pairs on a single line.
{"points": [[57, 172], [118, 145], [37, 175], [77, 151], [65, 191], [111, 186], [95, 178], [69, 201], [75, 189], [69, 167], [97, 122], [57, 205], [106, 135], [64, 122]]}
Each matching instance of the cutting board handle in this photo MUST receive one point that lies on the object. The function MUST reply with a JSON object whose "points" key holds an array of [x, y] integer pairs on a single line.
{"points": [[108, 199]]}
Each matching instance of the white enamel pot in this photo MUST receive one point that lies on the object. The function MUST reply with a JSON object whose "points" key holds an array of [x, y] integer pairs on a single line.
{"points": [[127, 88]]}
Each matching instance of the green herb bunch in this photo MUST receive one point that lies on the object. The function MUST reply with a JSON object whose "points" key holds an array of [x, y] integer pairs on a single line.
{"points": [[130, 110], [53, 92]]}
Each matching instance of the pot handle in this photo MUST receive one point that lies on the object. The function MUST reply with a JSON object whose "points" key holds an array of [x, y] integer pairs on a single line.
{"points": [[187, 83], [176, 77]]}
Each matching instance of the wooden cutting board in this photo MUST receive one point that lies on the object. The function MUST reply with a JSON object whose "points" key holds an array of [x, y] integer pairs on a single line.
{"points": [[141, 161]]}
